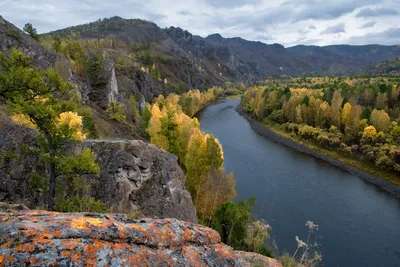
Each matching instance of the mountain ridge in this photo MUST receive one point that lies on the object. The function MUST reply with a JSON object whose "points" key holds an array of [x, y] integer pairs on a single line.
{"points": [[215, 59]]}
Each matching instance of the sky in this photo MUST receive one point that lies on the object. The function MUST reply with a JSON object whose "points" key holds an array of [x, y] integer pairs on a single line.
{"points": [[288, 22]]}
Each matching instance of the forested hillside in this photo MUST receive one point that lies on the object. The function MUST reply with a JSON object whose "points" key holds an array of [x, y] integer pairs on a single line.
{"points": [[386, 68], [357, 118], [188, 61]]}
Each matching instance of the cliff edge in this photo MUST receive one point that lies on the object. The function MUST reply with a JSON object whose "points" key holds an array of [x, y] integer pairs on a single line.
{"points": [[40, 238]]}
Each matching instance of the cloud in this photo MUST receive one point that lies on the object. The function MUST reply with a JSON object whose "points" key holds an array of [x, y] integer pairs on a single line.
{"points": [[334, 29], [325, 10], [288, 22], [232, 3], [185, 13], [387, 37], [368, 12], [368, 25]]}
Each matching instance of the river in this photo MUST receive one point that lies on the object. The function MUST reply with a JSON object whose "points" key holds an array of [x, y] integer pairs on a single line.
{"points": [[359, 225]]}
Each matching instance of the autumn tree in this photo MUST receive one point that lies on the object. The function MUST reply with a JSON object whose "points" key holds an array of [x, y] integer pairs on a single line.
{"points": [[30, 93], [380, 120], [336, 107]]}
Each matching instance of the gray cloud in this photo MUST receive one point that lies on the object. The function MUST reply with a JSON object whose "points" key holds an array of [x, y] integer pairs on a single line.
{"points": [[334, 29], [386, 37], [283, 21], [369, 12], [368, 25], [232, 3], [325, 10], [185, 13]]}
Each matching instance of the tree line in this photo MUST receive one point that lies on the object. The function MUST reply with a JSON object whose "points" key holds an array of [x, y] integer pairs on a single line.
{"points": [[357, 117]]}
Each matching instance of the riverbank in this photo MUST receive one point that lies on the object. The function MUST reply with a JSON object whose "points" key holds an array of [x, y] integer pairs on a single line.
{"points": [[278, 138]]}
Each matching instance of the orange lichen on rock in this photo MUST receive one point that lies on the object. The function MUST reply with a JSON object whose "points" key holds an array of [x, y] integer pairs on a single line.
{"points": [[86, 239], [81, 223]]}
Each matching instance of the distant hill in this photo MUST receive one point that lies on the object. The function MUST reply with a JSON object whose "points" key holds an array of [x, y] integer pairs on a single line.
{"points": [[386, 68], [197, 62]]}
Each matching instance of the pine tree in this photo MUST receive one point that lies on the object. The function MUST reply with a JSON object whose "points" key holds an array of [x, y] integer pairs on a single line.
{"points": [[29, 94], [28, 28]]}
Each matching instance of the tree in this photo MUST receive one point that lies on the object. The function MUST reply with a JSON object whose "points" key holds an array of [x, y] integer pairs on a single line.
{"points": [[95, 72], [29, 93], [135, 111], [218, 189], [116, 111], [336, 106], [169, 129], [346, 115], [28, 28], [56, 43], [230, 221], [380, 119]]}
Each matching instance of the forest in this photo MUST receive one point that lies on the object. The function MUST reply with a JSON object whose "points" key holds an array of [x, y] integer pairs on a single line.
{"points": [[355, 117]]}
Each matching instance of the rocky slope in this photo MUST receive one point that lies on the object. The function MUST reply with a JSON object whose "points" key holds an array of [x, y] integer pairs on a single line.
{"points": [[198, 62], [39, 238], [118, 87], [134, 176]]}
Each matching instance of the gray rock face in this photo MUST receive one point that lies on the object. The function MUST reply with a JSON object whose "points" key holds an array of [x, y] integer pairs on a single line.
{"points": [[134, 175]]}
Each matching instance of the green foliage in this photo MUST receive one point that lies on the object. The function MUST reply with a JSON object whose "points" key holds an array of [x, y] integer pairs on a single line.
{"points": [[28, 28], [7, 155], [79, 204], [29, 92], [14, 34], [135, 111], [146, 116], [56, 44], [95, 71], [82, 163], [88, 123], [230, 221], [116, 111], [169, 128], [38, 183]]}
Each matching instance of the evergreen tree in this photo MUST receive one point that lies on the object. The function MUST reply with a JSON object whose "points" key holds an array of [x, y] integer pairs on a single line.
{"points": [[29, 93], [28, 28]]}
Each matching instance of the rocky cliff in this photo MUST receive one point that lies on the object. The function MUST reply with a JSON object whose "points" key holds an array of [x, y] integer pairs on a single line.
{"points": [[134, 176], [38, 238]]}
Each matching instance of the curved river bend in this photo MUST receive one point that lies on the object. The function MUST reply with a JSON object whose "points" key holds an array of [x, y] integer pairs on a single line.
{"points": [[359, 224]]}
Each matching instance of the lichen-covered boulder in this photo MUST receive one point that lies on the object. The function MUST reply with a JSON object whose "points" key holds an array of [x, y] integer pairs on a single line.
{"points": [[39, 238]]}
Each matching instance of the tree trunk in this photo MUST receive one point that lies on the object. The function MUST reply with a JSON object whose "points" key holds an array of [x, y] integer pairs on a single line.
{"points": [[52, 185]]}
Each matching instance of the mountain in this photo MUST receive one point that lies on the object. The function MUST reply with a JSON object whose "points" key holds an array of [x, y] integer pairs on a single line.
{"points": [[386, 68], [195, 62]]}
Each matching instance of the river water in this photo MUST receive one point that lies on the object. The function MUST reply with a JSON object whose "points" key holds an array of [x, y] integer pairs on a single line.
{"points": [[359, 225]]}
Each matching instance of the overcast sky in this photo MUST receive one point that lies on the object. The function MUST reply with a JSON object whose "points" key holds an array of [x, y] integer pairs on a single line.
{"points": [[288, 22]]}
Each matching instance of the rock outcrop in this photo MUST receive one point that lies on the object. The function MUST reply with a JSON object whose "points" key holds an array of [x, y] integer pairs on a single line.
{"points": [[39, 238], [134, 176]]}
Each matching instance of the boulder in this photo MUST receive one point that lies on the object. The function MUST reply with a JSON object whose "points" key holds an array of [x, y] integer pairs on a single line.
{"points": [[136, 175], [39, 238]]}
